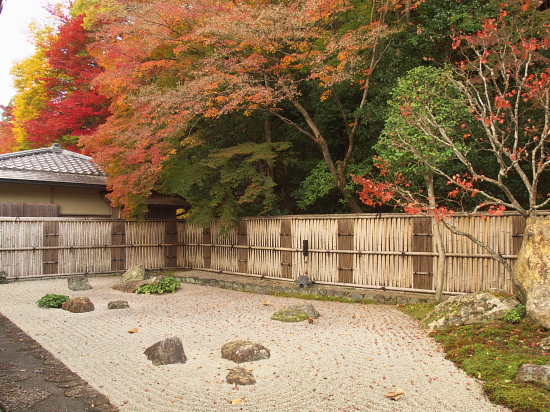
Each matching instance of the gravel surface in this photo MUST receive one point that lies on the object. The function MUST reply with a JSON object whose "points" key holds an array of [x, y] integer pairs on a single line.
{"points": [[347, 360]]}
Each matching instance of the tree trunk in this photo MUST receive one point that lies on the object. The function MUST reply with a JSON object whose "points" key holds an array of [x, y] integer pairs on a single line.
{"points": [[441, 271]]}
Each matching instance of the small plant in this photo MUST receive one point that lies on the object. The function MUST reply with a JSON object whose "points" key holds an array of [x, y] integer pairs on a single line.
{"points": [[167, 284], [514, 315], [52, 301]]}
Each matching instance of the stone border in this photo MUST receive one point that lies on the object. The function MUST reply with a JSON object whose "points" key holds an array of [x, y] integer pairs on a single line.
{"points": [[271, 287]]}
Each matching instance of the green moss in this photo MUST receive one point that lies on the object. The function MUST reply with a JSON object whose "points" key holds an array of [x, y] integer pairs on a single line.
{"points": [[493, 352], [419, 310]]}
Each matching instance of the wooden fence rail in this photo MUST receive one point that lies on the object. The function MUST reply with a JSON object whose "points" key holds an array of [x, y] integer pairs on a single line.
{"points": [[394, 251]]}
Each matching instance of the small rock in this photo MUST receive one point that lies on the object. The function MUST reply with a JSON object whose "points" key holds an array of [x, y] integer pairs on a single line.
{"points": [[240, 376], [118, 304], [78, 283], [240, 351], [303, 281], [78, 305], [165, 352], [545, 343], [537, 374], [3, 277]]}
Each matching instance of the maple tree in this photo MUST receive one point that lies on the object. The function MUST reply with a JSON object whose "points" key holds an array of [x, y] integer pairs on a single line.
{"points": [[207, 60], [482, 126], [73, 107], [7, 138], [30, 91]]}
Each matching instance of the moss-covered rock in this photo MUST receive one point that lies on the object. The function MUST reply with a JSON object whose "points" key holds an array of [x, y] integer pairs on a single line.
{"points": [[470, 309], [296, 313]]}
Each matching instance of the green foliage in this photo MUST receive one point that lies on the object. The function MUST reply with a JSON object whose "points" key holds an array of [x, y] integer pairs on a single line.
{"points": [[514, 315], [166, 284], [223, 183], [424, 104], [315, 186], [52, 301]]}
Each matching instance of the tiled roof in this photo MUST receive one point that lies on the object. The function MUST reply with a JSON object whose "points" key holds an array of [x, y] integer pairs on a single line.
{"points": [[51, 165]]}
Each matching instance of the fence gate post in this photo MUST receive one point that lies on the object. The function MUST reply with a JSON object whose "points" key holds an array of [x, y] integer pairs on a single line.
{"points": [[118, 254], [285, 239], [171, 238], [242, 240], [422, 241], [345, 242], [207, 250], [50, 258]]}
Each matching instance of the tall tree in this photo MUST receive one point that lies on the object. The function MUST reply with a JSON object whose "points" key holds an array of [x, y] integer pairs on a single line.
{"points": [[30, 96], [7, 138], [488, 138], [72, 106], [207, 60]]}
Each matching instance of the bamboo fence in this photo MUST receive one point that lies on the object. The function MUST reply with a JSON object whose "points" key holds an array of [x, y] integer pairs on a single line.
{"points": [[392, 251]]}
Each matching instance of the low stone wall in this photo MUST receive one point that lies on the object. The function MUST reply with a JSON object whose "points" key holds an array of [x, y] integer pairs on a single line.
{"points": [[271, 287]]}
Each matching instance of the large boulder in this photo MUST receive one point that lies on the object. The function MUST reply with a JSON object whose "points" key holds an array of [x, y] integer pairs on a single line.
{"points": [[77, 283], [470, 309], [531, 270], [130, 286], [135, 273], [166, 352], [240, 351], [537, 374], [78, 305]]}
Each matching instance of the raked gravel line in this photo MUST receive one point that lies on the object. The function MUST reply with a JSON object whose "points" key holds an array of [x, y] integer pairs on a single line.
{"points": [[347, 360]]}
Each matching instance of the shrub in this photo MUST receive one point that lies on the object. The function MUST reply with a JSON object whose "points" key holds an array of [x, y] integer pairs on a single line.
{"points": [[52, 301], [167, 284], [514, 315]]}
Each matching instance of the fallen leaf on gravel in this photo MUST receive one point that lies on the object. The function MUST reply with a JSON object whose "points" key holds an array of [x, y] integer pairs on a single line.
{"points": [[133, 330], [235, 401], [266, 302], [395, 395]]}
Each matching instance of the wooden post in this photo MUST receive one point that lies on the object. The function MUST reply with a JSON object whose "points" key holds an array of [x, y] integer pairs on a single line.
{"points": [[118, 254], [242, 240], [170, 237], [345, 242], [422, 242], [207, 250], [286, 242], [50, 258]]}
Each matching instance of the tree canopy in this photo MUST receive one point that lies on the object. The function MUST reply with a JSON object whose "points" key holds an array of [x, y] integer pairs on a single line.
{"points": [[267, 107]]}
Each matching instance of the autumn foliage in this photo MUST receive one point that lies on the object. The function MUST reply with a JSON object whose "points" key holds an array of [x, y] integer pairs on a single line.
{"points": [[72, 106]]}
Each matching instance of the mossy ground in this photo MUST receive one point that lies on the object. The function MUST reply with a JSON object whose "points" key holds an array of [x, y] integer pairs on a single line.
{"points": [[493, 353]]}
